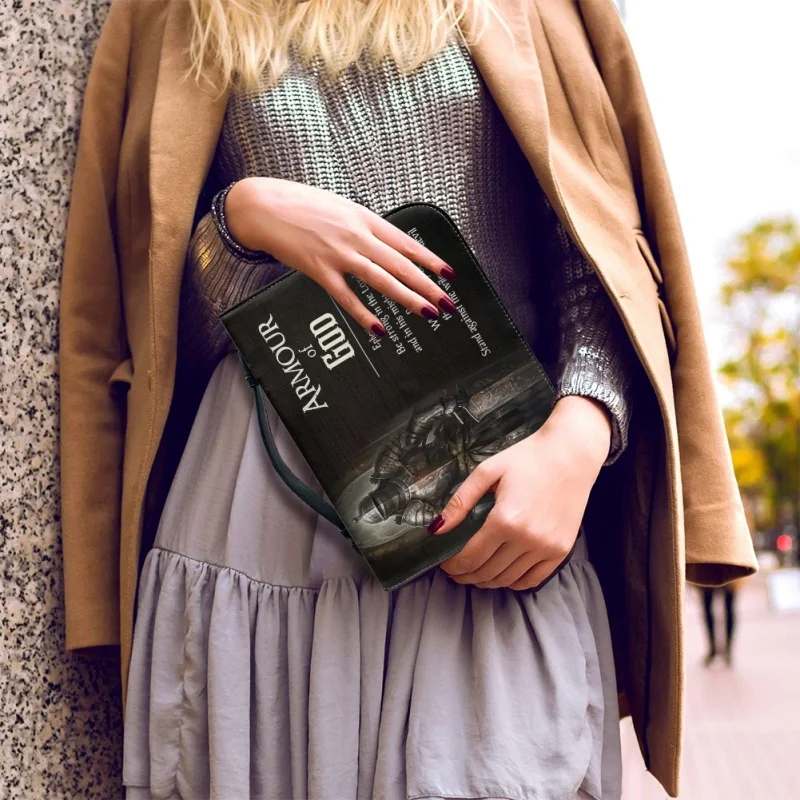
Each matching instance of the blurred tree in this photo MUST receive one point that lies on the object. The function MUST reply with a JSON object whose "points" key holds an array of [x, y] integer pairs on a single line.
{"points": [[762, 295], [754, 480]]}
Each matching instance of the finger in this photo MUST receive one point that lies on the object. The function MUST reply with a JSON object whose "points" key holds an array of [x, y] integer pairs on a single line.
{"points": [[502, 558], [337, 288], [400, 241], [408, 274], [513, 572], [536, 576], [477, 552], [507, 520], [481, 480], [384, 282]]}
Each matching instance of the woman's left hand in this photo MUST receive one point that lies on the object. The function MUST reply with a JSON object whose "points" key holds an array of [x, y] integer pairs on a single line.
{"points": [[541, 487]]}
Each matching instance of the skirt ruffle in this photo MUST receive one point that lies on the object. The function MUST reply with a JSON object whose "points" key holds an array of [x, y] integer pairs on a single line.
{"points": [[242, 689]]}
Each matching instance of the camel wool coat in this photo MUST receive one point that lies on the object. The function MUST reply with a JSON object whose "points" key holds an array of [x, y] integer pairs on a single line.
{"points": [[569, 87]]}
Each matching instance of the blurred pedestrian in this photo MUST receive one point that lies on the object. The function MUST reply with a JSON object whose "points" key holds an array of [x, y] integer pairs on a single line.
{"points": [[728, 592]]}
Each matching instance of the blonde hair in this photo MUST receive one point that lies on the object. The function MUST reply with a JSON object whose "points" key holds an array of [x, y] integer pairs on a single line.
{"points": [[244, 41]]}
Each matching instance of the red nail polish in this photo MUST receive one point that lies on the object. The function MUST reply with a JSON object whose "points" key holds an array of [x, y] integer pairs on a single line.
{"points": [[378, 329], [446, 304], [429, 312], [436, 524], [448, 272]]}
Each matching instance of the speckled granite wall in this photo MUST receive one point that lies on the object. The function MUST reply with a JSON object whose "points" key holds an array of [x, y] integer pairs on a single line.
{"points": [[60, 722]]}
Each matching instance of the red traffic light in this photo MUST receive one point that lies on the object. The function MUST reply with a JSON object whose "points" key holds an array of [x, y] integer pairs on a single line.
{"points": [[784, 543]]}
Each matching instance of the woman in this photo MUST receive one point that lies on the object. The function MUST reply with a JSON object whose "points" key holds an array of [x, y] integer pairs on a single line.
{"points": [[349, 692], [266, 664]]}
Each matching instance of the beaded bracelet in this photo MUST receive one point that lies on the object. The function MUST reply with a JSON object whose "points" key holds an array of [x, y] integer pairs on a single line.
{"points": [[218, 214]]}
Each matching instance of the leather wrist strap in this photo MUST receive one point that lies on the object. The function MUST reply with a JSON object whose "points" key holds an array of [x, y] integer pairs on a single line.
{"points": [[304, 492]]}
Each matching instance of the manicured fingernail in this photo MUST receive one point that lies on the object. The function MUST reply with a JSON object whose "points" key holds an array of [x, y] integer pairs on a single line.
{"points": [[436, 524], [448, 272], [429, 312], [378, 329], [446, 304]]}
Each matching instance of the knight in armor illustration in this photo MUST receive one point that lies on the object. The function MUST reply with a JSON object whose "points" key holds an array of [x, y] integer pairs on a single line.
{"points": [[419, 469]]}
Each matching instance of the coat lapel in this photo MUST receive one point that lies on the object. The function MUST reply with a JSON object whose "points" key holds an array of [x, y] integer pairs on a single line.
{"points": [[185, 127], [509, 64], [524, 82]]}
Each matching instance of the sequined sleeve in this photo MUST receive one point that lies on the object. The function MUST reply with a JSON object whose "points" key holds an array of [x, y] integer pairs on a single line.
{"points": [[594, 352], [219, 272]]}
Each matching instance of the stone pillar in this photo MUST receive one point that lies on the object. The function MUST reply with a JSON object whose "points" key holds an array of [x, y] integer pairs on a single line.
{"points": [[60, 719]]}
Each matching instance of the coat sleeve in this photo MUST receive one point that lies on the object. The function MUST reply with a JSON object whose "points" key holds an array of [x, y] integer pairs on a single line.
{"points": [[93, 353], [718, 543]]}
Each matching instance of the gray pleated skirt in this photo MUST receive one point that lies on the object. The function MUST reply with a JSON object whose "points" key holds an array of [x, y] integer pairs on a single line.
{"points": [[269, 663]]}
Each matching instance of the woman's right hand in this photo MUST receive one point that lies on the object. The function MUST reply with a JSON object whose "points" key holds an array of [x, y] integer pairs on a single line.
{"points": [[327, 236]]}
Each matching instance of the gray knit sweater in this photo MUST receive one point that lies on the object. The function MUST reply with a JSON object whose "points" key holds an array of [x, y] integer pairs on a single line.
{"points": [[384, 138]]}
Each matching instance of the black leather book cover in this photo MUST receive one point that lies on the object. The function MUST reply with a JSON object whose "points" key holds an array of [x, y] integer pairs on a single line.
{"points": [[391, 426]]}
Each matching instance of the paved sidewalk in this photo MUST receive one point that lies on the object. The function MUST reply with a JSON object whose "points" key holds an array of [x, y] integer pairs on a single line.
{"points": [[742, 724]]}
